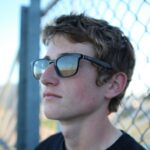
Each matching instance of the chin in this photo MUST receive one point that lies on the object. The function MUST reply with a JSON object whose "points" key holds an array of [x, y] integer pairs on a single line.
{"points": [[53, 114], [50, 114], [50, 111]]}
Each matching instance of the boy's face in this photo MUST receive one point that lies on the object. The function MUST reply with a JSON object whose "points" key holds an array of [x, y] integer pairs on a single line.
{"points": [[74, 97]]}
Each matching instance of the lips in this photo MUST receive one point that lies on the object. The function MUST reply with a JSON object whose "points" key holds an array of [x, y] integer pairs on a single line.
{"points": [[51, 95]]}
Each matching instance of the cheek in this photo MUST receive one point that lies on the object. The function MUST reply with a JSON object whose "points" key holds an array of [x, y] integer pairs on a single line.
{"points": [[83, 96]]}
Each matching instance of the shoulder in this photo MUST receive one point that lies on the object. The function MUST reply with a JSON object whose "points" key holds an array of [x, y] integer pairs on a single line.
{"points": [[51, 142], [126, 142]]}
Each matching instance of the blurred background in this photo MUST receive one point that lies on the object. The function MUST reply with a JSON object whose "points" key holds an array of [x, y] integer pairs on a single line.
{"points": [[22, 123]]}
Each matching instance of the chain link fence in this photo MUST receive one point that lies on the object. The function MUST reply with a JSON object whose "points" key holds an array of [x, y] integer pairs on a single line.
{"points": [[133, 17], [8, 111]]}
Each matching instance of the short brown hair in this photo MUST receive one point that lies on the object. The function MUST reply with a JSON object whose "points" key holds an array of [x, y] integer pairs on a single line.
{"points": [[109, 42]]}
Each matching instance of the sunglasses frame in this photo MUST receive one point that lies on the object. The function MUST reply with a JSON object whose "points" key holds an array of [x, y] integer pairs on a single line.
{"points": [[79, 56]]}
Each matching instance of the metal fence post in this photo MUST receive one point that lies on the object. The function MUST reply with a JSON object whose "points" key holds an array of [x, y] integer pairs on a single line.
{"points": [[21, 111], [28, 104], [32, 104]]}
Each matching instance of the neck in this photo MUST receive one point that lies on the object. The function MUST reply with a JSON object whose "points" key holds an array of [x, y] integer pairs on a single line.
{"points": [[92, 133]]}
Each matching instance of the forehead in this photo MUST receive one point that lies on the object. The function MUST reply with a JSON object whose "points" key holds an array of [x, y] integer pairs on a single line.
{"points": [[60, 44]]}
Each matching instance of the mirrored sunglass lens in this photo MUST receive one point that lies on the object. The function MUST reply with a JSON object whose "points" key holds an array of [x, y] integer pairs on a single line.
{"points": [[39, 67], [67, 65]]}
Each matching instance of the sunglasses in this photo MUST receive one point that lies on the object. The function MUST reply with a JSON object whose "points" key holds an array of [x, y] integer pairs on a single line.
{"points": [[66, 65]]}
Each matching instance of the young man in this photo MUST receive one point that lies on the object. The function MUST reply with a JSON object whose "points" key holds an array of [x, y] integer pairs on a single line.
{"points": [[85, 72]]}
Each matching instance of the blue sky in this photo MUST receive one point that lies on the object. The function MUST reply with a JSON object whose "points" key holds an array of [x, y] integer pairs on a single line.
{"points": [[9, 34]]}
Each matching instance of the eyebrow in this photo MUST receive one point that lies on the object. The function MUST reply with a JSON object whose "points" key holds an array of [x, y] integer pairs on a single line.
{"points": [[47, 57]]}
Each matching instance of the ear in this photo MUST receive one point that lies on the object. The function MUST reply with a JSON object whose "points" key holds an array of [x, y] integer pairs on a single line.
{"points": [[116, 85]]}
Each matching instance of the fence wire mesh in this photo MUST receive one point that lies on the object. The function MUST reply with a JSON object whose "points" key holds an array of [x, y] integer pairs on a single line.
{"points": [[8, 111], [133, 18]]}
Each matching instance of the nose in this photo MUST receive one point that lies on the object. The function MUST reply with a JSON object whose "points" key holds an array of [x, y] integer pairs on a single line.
{"points": [[49, 77]]}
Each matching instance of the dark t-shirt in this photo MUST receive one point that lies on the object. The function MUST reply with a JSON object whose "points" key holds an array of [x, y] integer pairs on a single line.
{"points": [[56, 142]]}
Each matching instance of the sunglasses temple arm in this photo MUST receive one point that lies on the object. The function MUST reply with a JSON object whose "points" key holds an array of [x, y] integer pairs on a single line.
{"points": [[98, 62]]}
